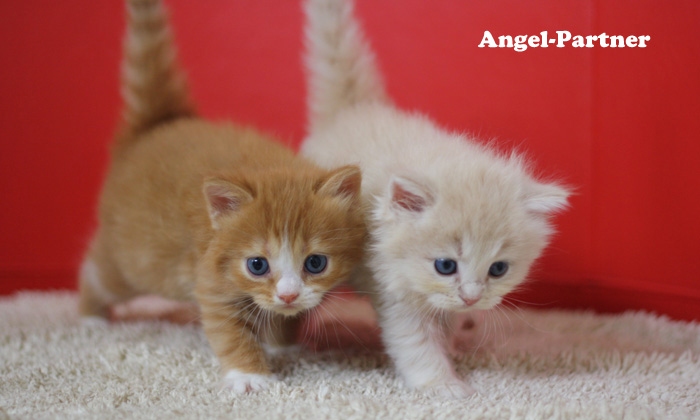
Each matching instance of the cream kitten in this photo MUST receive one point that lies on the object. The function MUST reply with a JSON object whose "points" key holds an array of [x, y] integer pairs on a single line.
{"points": [[218, 214], [454, 226]]}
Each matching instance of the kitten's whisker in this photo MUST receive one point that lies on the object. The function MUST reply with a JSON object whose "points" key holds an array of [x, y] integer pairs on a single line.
{"points": [[271, 322], [355, 337], [268, 321], [493, 338], [439, 319], [483, 334], [252, 312], [490, 339], [506, 337], [424, 314], [256, 324], [337, 337], [498, 327], [231, 316], [521, 315], [262, 321], [318, 330], [324, 328], [330, 296], [510, 322], [527, 303], [306, 325]]}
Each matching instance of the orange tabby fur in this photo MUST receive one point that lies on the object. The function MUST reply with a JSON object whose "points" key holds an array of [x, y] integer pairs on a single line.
{"points": [[187, 202]]}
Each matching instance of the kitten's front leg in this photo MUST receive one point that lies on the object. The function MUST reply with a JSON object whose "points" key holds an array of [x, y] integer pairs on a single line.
{"points": [[416, 345], [238, 349]]}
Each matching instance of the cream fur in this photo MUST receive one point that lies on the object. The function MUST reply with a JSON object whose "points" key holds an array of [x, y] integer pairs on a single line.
{"points": [[469, 204], [344, 67]]}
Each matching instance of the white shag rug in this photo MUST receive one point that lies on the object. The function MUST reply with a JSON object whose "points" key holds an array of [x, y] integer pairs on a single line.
{"points": [[530, 365]]}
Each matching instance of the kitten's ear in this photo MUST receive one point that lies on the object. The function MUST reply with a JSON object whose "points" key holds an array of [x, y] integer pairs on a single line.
{"points": [[345, 181], [223, 198], [409, 196], [546, 198]]}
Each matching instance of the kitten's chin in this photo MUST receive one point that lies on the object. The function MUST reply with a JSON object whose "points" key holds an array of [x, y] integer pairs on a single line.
{"points": [[292, 309], [288, 310], [446, 304], [282, 309]]}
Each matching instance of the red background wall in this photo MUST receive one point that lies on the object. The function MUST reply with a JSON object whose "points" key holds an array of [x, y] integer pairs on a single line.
{"points": [[621, 125]]}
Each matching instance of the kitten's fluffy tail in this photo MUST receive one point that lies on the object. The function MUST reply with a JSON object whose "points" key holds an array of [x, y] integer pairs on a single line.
{"points": [[341, 67], [153, 86]]}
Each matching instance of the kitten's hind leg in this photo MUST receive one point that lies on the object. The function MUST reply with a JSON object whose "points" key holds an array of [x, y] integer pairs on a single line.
{"points": [[101, 286]]}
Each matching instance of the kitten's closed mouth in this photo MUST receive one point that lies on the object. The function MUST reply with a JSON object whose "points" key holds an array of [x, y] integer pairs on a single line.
{"points": [[289, 309]]}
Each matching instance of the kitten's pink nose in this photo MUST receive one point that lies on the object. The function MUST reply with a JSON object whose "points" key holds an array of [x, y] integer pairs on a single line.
{"points": [[288, 298], [470, 301]]}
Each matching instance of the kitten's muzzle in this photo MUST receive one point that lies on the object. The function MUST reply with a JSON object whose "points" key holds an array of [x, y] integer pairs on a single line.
{"points": [[288, 288], [471, 300]]}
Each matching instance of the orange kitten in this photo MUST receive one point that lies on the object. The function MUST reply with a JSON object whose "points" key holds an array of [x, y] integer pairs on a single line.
{"points": [[214, 213]]}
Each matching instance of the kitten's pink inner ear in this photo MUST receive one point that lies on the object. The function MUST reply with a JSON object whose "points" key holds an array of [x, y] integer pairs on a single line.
{"points": [[345, 181], [406, 195], [224, 198]]}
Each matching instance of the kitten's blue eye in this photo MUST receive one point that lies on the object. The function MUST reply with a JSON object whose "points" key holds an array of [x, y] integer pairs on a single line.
{"points": [[315, 264], [498, 269], [445, 266], [258, 266]]}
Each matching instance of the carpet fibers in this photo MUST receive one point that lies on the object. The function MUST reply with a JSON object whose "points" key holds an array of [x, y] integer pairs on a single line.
{"points": [[528, 365]]}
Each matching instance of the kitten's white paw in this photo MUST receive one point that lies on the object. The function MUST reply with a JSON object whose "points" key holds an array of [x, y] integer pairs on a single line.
{"points": [[240, 382], [453, 389]]}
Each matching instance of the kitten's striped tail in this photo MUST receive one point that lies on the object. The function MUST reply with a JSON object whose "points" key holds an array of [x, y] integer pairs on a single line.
{"points": [[340, 63], [153, 86]]}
